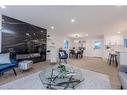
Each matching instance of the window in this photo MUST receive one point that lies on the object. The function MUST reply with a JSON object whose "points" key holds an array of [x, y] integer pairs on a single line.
{"points": [[97, 44], [66, 44], [125, 42]]}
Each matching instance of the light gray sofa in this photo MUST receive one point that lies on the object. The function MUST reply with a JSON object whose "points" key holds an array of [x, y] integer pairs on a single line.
{"points": [[122, 73]]}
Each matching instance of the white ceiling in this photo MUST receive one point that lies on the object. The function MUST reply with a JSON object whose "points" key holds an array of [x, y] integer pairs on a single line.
{"points": [[92, 20]]}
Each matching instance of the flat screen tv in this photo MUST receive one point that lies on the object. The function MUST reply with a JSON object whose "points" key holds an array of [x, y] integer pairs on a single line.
{"points": [[22, 37]]}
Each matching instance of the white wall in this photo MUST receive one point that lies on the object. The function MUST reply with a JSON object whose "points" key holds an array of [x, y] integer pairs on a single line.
{"points": [[59, 43], [58, 39], [115, 42], [90, 51]]}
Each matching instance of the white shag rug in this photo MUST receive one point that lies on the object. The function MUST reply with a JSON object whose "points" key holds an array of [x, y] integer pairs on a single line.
{"points": [[93, 80]]}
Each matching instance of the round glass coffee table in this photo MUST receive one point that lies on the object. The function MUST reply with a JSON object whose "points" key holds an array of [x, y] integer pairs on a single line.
{"points": [[52, 78]]}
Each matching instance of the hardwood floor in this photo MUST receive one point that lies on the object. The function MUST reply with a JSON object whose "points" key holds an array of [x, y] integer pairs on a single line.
{"points": [[89, 63], [98, 65]]}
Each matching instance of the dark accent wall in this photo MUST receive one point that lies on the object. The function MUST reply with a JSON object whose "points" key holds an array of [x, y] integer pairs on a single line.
{"points": [[22, 37]]}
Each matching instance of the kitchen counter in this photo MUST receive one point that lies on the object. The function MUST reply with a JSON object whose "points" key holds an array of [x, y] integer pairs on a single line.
{"points": [[123, 50]]}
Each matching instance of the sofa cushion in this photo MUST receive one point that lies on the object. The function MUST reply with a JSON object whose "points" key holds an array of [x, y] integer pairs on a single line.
{"points": [[123, 79], [5, 58], [6, 66]]}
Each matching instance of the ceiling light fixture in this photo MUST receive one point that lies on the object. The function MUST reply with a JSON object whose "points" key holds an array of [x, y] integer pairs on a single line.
{"points": [[3, 7], [86, 35], [76, 35], [72, 20], [52, 27], [119, 32]]}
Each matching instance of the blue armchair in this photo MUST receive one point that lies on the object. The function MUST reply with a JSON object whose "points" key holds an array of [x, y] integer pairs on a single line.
{"points": [[63, 56], [10, 66]]}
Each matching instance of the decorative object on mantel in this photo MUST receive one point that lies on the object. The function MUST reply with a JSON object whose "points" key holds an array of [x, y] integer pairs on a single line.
{"points": [[48, 51], [48, 35], [107, 47]]}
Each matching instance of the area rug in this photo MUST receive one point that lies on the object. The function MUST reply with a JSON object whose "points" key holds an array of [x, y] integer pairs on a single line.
{"points": [[93, 80]]}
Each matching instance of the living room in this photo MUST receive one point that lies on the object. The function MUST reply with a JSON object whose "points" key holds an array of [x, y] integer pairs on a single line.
{"points": [[93, 38]]}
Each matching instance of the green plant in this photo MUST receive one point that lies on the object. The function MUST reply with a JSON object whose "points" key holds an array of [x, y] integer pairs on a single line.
{"points": [[62, 70], [108, 47]]}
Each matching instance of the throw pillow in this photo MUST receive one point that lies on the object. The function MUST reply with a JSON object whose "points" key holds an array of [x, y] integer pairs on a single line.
{"points": [[5, 58]]}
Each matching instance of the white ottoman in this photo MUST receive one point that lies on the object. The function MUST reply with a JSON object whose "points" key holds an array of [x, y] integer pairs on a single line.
{"points": [[25, 65]]}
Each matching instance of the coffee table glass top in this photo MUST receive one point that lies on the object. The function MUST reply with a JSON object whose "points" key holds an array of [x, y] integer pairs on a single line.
{"points": [[53, 78]]}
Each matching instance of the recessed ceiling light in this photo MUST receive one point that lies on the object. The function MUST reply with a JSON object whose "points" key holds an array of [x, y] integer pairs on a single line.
{"points": [[119, 32], [52, 27], [41, 31], [86, 35], [72, 20], [3, 7]]}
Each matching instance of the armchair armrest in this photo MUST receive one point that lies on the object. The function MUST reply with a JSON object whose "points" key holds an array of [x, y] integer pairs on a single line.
{"points": [[122, 68], [14, 61]]}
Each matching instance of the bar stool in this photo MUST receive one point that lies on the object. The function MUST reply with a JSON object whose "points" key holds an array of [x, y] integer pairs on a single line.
{"points": [[112, 59]]}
